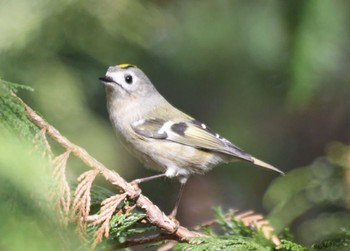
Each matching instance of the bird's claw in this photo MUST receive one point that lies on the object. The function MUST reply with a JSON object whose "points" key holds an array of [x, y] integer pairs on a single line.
{"points": [[177, 223], [138, 191]]}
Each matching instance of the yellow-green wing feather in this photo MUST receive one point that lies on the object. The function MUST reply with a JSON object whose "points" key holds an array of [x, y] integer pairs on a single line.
{"points": [[191, 133]]}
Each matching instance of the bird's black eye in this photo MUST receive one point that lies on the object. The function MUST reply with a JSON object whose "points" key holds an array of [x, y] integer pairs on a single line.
{"points": [[128, 79]]}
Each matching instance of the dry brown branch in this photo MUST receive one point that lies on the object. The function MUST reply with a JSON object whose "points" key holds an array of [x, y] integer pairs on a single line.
{"points": [[62, 194], [249, 219], [167, 246], [152, 238], [211, 222], [42, 135], [43, 131], [108, 208], [153, 214], [252, 219], [82, 199]]}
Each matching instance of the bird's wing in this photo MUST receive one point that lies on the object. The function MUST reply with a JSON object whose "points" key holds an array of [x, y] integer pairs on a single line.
{"points": [[149, 128], [191, 133]]}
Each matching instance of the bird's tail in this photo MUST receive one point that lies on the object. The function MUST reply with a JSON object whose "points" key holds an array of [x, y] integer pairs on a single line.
{"points": [[265, 165]]}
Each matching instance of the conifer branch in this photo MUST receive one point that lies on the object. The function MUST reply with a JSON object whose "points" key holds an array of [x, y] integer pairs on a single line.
{"points": [[108, 208], [152, 238], [82, 197], [63, 194], [249, 219], [153, 214]]}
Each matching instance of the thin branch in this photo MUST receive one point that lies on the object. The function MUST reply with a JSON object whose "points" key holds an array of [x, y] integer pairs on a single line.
{"points": [[252, 219], [153, 214], [141, 240], [109, 206], [167, 246], [63, 195], [82, 200], [249, 219]]}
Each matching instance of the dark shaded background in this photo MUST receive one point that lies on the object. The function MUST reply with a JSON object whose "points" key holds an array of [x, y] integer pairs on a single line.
{"points": [[272, 76]]}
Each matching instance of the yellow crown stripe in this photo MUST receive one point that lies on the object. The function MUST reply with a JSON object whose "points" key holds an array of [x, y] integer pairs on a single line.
{"points": [[125, 66]]}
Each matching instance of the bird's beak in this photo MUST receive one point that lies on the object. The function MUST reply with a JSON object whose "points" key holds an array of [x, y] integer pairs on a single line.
{"points": [[106, 79]]}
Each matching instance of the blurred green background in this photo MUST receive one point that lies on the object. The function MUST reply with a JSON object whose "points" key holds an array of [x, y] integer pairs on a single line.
{"points": [[271, 76]]}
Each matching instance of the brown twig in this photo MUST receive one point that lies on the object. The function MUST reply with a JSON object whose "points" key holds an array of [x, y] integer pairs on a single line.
{"points": [[249, 219], [141, 240], [63, 200], [153, 214], [82, 199], [108, 208]]}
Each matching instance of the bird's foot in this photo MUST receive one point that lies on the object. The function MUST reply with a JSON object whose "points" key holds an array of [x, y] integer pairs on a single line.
{"points": [[177, 223], [136, 187], [136, 182]]}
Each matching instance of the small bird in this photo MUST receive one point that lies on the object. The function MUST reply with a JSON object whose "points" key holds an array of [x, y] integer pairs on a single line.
{"points": [[161, 136]]}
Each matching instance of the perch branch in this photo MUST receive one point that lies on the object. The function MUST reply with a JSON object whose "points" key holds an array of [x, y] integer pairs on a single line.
{"points": [[153, 214]]}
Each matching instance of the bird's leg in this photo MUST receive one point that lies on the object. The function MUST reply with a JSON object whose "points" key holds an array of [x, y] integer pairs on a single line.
{"points": [[140, 180], [135, 183], [174, 211]]}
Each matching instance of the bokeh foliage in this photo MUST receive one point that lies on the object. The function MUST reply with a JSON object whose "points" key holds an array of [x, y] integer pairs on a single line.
{"points": [[269, 75], [27, 219]]}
